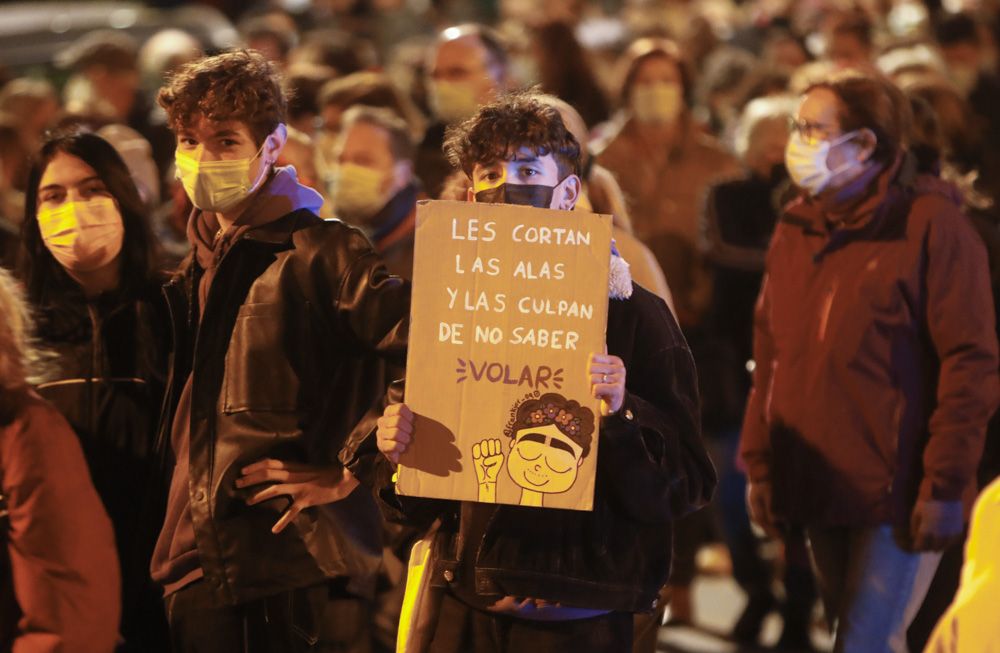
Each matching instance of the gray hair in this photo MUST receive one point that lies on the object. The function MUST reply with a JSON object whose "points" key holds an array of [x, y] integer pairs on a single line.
{"points": [[757, 111]]}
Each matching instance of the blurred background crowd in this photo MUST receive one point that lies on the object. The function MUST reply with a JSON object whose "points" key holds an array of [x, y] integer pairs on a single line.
{"points": [[683, 108]]}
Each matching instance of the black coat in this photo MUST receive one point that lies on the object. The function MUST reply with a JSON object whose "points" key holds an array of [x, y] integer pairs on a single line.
{"points": [[106, 376], [301, 324], [652, 468], [739, 219]]}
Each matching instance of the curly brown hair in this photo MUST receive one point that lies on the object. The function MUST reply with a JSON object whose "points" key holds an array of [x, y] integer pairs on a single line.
{"points": [[573, 420], [501, 128], [239, 85]]}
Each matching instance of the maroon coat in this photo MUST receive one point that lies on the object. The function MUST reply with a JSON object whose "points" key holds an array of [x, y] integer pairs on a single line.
{"points": [[61, 546], [876, 356]]}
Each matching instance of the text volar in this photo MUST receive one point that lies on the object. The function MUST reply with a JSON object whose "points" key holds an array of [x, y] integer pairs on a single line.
{"points": [[540, 377]]}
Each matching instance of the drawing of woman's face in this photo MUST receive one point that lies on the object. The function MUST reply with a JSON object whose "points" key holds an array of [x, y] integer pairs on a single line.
{"points": [[543, 459]]}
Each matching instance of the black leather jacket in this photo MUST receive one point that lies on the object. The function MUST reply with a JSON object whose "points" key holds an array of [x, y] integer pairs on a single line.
{"points": [[652, 468], [291, 353]]}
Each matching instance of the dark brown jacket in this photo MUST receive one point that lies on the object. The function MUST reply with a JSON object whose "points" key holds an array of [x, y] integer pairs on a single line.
{"points": [[288, 357], [876, 357], [665, 191]]}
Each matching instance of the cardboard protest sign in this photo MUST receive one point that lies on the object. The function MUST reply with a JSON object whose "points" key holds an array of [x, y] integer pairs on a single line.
{"points": [[508, 304]]}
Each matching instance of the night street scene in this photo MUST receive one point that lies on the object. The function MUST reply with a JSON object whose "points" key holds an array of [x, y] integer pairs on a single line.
{"points": [[500, 326]]}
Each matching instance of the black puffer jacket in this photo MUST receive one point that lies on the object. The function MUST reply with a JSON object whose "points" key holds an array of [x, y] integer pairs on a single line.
{"points": [[301, 324], [652, 468]]}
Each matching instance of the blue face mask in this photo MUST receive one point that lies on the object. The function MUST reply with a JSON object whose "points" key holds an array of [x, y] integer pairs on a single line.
{"points": [[806, 162]]}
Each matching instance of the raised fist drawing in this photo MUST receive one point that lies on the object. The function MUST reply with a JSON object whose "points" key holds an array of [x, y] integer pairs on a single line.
{"points": [[487, 457]]}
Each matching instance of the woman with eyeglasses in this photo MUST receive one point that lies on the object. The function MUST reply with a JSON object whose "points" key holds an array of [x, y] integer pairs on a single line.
{"points": [[876, 362], [89, 269]]}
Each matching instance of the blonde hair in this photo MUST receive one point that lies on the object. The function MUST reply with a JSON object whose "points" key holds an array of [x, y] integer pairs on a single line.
{"points": [[20, 361]]}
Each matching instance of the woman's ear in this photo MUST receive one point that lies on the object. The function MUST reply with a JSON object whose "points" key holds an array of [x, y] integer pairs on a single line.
{"points": [[567, 193], [867, 141]]}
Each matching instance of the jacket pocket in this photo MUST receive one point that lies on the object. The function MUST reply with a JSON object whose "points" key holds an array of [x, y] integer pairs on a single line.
{"points": [[260, 373]]}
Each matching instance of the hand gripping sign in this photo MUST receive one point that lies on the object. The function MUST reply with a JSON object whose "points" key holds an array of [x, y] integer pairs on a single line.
{"points": [[508, 304]]}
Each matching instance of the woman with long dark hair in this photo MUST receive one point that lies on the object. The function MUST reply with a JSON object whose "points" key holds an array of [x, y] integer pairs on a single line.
{"points": [[89, 269]]}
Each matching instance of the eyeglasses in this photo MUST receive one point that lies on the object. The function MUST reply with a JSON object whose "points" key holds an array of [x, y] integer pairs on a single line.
{"points": [[811, 132]]}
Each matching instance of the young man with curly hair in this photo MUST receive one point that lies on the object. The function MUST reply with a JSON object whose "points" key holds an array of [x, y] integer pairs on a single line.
{"points": [[284, 327], [517, 579]]}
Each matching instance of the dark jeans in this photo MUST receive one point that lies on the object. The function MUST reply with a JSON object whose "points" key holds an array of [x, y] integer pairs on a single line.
{"points": [[461, 629], [318, 619]]}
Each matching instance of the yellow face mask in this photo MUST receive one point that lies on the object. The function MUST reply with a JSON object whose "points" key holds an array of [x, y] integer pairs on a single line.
{"points": [[357, 192], [452, 101], [658, 102], [217, 185], [84, 235]]}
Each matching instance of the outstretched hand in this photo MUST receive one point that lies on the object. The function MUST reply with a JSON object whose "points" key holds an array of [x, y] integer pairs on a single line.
{"points": [[306, 485]]}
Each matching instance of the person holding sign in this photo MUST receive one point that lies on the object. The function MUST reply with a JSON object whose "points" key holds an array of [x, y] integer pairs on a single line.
{"points": [[545, 579]]}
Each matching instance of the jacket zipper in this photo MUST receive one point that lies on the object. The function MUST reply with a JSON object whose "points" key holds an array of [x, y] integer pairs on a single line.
{"points": [[95, 355]]}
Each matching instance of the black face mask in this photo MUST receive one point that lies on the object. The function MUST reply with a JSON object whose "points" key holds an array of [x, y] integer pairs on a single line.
{"points": [[534, 195]]}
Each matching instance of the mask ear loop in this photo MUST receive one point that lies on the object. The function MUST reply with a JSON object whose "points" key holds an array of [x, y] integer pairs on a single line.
{"points": [[846, 165], [843, 138]]}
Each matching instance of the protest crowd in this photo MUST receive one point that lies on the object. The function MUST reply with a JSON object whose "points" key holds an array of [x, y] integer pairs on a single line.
{"points": [[207, 252]]}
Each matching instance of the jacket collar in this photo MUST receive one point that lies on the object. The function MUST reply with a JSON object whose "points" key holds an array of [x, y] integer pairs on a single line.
{"points": [[856, 206], [387, 222], [684, 136], [270, 218], [280, 231]]}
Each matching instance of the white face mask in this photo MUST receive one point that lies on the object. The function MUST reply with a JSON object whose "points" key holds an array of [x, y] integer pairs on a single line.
{"points": [[659, 102], [83, 236], [453, 101], [217, 185], [806, 162], [356, 192]]}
